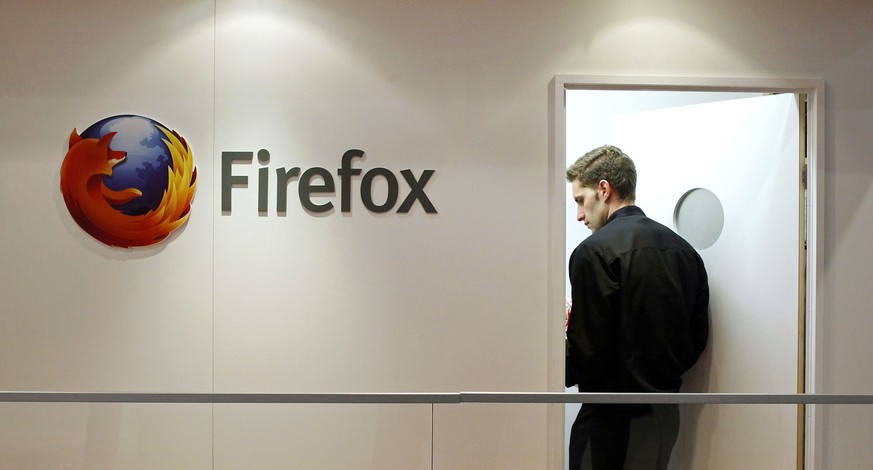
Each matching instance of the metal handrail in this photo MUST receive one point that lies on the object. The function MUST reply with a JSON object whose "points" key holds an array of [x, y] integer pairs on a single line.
{"points": [[440, 398]]}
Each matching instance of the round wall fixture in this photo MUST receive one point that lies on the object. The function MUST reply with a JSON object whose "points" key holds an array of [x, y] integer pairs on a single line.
{"points": [[699, 217]]}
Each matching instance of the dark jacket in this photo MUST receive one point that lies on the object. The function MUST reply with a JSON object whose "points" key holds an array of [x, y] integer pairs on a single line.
{"points": [[640, 307]]}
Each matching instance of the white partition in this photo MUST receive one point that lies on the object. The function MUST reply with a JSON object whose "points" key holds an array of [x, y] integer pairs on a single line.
{"points": [[366, 301]]}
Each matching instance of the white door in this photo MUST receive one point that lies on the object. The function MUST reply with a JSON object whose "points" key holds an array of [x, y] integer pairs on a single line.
{"points": [[739, 161]]}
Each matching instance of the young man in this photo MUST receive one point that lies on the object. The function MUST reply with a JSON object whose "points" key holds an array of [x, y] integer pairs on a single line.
{"points": [[639, 318]]}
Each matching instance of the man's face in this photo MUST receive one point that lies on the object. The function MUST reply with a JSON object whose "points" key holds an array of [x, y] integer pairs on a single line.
{"points": [[590, 207]]}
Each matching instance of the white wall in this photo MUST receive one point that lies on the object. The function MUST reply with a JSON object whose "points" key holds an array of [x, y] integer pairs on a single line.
{"points": [[456, 301]]}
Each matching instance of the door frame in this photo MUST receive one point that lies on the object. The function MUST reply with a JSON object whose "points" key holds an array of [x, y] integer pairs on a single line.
{"points": [[813, 139]]}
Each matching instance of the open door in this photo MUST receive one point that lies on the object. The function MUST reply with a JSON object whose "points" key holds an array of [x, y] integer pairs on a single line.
{"points": [[726, 175]]}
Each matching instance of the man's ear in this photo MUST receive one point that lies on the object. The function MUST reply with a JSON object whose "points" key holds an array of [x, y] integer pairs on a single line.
{"points": [[605, 189]]}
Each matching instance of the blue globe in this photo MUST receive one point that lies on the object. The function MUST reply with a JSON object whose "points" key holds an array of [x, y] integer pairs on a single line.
{"points": [[145, 167]]}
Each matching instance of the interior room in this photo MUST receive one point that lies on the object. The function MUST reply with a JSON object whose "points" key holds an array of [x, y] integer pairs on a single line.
{"points": [[359, 223]]}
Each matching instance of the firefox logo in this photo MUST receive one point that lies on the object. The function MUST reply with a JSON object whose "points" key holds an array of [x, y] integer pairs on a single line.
{"points": [[128, 180]]}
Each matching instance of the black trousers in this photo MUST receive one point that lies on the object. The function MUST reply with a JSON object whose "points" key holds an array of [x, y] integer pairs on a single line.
{"points": [[623, 437]]}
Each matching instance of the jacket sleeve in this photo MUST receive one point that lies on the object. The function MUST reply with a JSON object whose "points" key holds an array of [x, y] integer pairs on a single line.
{"points": [[700, 315], [591, 330]]}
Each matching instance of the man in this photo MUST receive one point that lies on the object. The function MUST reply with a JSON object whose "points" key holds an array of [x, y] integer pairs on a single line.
{"points": [[639, 318]]}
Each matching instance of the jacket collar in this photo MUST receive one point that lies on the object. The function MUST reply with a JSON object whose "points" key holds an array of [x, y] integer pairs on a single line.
{"points": [[626, 211]]}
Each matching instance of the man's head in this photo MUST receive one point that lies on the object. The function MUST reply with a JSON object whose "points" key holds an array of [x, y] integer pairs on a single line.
{"points": [[604, 180]]}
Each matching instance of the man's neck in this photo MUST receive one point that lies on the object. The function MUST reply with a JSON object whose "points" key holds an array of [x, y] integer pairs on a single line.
{"points": [[613, 208]]}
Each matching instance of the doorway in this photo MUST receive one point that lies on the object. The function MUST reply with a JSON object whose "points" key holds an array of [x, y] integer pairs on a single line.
{"points": [[727, 165]]}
